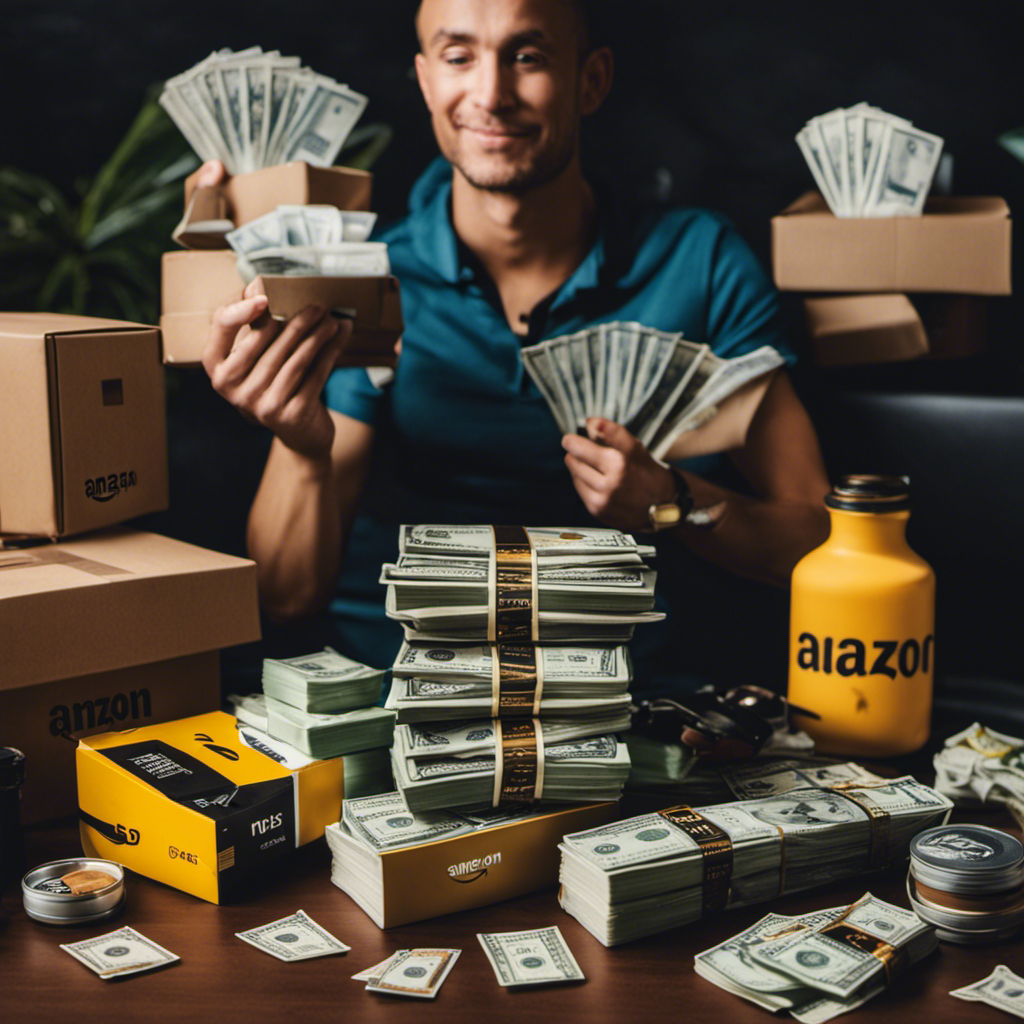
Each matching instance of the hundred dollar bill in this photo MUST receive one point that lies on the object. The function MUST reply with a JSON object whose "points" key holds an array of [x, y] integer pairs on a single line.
{"points": [[981, 764], [296, 937], [369, 973], [839, 957], [1002, 989], [549, 542], [120, 953], [337, 259], [536, 957], [418, 973]]}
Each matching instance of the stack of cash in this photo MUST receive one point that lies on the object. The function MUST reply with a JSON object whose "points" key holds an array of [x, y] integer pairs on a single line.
{"points": [[325, 682], [372, 826], [592, 584], [649, 873], [310, 241], [367, 772], [818, 965], [868, 163], [252, 109], [454, 765], [655, 384], [318, 735], [433, 682], [982, 765]]}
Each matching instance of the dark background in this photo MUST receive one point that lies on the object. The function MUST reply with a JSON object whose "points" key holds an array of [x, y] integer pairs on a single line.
{"points": [[707, 100]]}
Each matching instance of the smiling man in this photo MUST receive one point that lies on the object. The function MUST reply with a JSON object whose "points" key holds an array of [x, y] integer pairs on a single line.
{"points": [[507, 243]]}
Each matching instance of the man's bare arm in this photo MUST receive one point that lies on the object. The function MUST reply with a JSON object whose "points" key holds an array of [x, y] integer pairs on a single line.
{"points": [[301, 516], [761, 537]]}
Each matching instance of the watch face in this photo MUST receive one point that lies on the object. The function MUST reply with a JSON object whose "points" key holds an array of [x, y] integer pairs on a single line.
{"points": [[662, 516]]}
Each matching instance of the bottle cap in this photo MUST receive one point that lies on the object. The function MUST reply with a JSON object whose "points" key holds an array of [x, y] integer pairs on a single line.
{"points": [[870, 492]]}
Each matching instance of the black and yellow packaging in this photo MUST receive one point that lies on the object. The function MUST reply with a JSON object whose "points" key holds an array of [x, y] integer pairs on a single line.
{"points": [[192, 804]]}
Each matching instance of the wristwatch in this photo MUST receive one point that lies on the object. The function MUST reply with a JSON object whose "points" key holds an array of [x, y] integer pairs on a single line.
{"points": [[681, 510], [672, 513]]}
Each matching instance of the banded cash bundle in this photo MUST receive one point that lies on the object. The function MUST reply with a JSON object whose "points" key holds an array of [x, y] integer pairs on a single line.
{"points": [[432, 682], [487, 762], [655, 384], [252, 109], [322, 682], [318, 735], [819, 965], [643, 875], [510, 584], [365, 772], [868, 163], [401, 866]]}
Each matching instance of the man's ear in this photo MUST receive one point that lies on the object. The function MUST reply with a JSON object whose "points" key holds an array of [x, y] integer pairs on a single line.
{"points": [[595, 79], [423, 79]]}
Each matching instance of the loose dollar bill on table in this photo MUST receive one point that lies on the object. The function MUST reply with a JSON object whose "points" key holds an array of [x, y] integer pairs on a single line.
{"points": [[648, 873], [818, 965], [536, 957], [657, 385], [325, 681], [318, 735], [450, 765], [979, 764], [1002, 989], [417, 973], [375, 971], [869, 163], [120, 953], [296, 937], [252, 109]]}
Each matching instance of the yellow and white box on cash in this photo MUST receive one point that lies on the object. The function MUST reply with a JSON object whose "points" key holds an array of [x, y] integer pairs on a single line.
{"points": [[198, 805]]}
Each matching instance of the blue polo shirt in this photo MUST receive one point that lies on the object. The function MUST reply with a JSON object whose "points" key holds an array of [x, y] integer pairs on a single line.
{"points": [[462, 433]]}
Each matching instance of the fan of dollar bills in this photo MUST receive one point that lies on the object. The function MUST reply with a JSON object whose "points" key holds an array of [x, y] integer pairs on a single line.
{"points": [[655, 384], [311, 240], [252, 109], [868, 163]]}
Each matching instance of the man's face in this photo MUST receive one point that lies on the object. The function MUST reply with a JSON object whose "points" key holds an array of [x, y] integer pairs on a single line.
{"points": [[502, 80]]}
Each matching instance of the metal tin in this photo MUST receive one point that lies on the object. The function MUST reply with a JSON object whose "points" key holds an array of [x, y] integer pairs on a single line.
{"points": [[45, 901], [967, 859], [965, 927]]}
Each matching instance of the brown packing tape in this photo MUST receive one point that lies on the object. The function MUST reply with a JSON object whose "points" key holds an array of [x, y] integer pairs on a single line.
{"points": [[519, 762], [516, 681], [716, 853], [56, 556], [512, 599]]}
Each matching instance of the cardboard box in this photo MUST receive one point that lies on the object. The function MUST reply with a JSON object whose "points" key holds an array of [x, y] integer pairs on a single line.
{"points": [[854, 329], [191, 804], [244, 197], [83, 434], [195, 284], [99, 632], [466, 871], [960, 244]]}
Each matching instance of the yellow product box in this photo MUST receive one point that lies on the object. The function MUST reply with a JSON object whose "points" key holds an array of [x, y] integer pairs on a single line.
{"points": [[487, 865], [198, 805]]}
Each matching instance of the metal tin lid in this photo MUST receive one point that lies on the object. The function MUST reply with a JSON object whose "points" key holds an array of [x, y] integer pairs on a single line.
{"points": [[51, 901], [967, 859], [12, 768], [870, 492]]}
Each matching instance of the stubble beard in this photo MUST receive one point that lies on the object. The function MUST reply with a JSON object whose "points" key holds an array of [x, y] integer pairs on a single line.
{"points": [[518, 181]]}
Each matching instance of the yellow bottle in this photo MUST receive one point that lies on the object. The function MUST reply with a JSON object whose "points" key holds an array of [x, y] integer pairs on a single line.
{"points": [[862, 622]]}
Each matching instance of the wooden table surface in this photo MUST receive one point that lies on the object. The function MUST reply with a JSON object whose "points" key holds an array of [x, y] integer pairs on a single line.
{"points": [[221, 979]]}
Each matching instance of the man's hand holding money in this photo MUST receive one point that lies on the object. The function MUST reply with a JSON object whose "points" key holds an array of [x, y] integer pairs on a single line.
{"points": [[615, 475]]}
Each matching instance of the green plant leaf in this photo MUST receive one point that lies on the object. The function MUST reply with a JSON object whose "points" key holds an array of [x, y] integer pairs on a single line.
{"points": [[1013, 142], [364, 146]]}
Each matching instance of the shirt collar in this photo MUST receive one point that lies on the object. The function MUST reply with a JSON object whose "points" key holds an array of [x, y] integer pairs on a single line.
{"points": [[436, 244]]}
